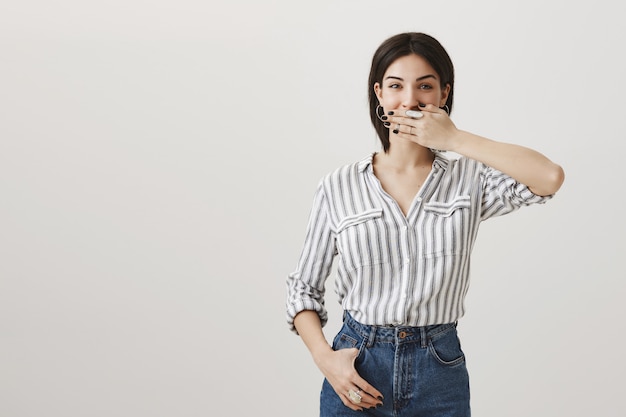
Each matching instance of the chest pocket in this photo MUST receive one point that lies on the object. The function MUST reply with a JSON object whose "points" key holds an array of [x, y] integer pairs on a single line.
{"points": [[360, 237], [355, 219], [447, 225]]}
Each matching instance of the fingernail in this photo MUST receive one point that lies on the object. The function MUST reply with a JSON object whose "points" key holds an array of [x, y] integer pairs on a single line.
{"points": [[387, 124], [380, 397], [384, 117], [395, 131], [422, 105], [390, 112]]}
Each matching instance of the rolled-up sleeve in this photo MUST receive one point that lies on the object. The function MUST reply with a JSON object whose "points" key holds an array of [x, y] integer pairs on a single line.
{"points": [[306, 285], [503, 194]]}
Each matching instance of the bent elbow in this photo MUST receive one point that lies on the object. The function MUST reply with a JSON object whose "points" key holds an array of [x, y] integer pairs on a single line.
{"points": [[552, 181], [557, 178]]}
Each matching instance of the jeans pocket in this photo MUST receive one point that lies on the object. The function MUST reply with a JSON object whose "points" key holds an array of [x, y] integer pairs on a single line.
{"points": [[349, 339], [344, 341], [446, 348]]}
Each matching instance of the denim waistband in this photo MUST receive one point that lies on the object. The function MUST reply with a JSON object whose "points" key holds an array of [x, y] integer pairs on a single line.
{"points": [[396, 334]]}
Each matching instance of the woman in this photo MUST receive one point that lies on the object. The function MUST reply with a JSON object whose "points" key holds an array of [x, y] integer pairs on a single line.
{"points": [[402, 223]]}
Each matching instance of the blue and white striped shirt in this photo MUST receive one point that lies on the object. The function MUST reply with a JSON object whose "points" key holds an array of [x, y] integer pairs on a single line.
{"points": [[394, 269]]}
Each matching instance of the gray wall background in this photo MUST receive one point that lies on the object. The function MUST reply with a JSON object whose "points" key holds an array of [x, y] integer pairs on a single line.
{"points": [[157, 165]]}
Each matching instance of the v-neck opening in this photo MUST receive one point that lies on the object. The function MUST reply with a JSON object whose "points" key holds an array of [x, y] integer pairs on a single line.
{"points": [[416, 198]]}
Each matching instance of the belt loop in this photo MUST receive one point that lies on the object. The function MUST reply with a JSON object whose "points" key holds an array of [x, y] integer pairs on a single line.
{"points": [[423, 339], [371, 337]]}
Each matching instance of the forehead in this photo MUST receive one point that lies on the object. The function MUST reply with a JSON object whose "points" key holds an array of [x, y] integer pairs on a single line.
{"points": [[410, 66]]}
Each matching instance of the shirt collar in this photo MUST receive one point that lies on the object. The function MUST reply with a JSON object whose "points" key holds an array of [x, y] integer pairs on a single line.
{"points": [[366, 162], [439, 162]]}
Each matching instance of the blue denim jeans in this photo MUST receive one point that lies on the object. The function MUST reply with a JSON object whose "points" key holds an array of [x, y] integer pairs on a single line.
{"points": [[420, 371]]}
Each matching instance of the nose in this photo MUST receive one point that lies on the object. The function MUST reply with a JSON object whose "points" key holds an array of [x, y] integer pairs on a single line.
{"points": [[410, 99]]}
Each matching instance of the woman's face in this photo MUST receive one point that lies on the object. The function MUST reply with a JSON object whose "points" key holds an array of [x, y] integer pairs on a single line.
{"points": [[408, 82]]}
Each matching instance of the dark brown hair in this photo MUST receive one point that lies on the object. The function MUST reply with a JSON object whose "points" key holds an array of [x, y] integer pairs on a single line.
{"points": [[398, 46]]}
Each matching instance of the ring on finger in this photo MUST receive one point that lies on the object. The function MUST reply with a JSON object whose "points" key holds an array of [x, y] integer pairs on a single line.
{"points": [[355, 397], [414, 114]]}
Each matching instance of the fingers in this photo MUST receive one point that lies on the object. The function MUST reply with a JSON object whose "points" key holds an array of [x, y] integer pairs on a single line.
{"points": [[407, 124], [412, 122], [414, 114], [369, 393], [409, 130], [363, 394], [353, 399], [354, 391], [408, 116], [431, 108], [357, 398]]}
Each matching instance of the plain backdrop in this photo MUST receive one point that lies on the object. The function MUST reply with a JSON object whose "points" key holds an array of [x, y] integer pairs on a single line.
{"points": [[158, 161]]}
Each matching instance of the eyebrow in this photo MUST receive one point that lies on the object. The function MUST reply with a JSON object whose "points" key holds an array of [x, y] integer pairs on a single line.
{"points": [[418, 79]]}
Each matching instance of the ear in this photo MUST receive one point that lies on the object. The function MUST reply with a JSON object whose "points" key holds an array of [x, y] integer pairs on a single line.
{"points": [[378, 91], [444, 94]]}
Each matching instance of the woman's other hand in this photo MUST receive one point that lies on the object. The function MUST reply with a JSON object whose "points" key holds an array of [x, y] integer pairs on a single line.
{"points": [[338, 368]]}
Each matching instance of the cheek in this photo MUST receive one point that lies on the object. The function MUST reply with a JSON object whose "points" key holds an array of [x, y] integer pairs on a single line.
{"points": [[430, 97], [391, 101]]}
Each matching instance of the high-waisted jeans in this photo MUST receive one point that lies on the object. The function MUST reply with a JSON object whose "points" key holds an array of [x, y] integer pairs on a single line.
{"points": [[420, 371]]}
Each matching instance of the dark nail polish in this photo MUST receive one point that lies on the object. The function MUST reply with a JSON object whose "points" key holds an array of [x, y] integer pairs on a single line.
{"points": [[395, 131], [384, 117], [380, 397], [422, 105], [390, 113], [387, 124]]}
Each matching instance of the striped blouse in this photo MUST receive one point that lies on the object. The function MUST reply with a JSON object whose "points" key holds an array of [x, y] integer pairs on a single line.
{"points": [[394, 269]]}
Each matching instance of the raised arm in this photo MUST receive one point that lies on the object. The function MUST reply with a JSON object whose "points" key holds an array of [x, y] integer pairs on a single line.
{"points": [[435, 130], [527, 166]]}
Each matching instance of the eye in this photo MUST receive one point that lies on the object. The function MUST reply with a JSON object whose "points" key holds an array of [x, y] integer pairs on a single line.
{"points": [[425, 87], [394, 85]]}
